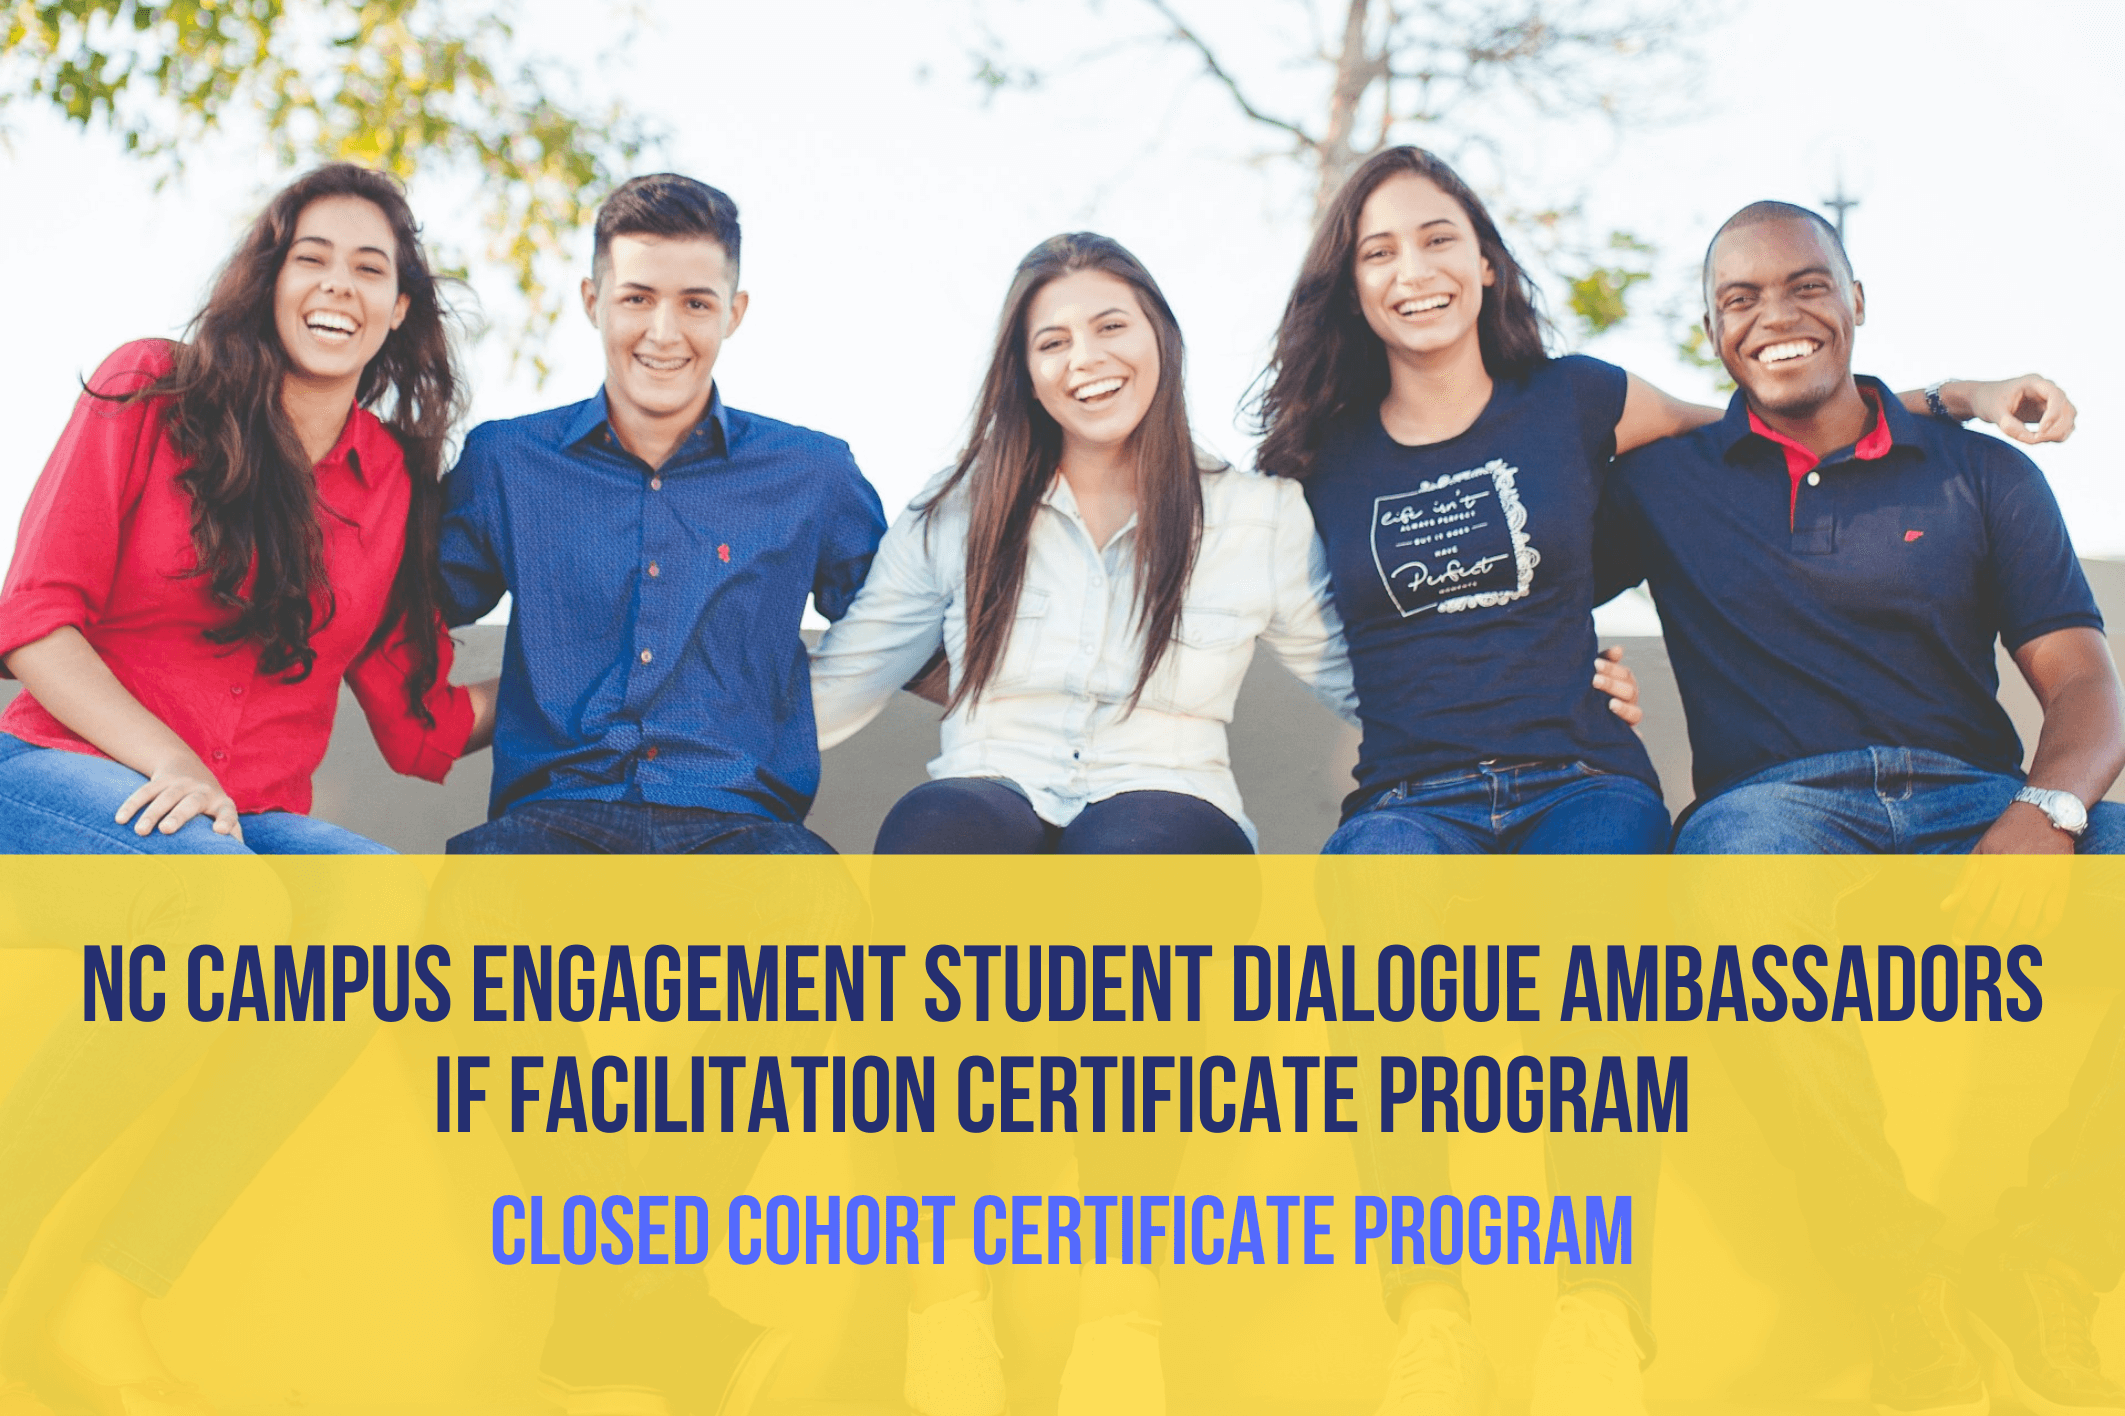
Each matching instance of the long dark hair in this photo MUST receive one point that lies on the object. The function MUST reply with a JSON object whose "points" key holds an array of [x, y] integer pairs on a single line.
{"points": [[254, 500], [1329, 364], [1015, 447]]}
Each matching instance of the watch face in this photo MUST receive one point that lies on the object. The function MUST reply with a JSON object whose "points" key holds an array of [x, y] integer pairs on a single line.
{"points": [[2066, 809]]}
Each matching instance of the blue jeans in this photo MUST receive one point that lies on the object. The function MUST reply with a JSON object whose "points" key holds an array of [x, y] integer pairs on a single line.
{"points": [[55, 802], [985, 816], [90, 1080], [1811, 1086], [1872, 800], [1509, 808], [633, 828]]}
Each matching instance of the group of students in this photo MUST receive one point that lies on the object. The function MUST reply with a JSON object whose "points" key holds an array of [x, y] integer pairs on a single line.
{"points": [[233, 525]]}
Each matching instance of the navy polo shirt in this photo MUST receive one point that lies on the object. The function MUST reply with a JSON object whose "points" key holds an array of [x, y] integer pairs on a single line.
{"points": [[653, 651], [1853, 606], [1464, 572]]}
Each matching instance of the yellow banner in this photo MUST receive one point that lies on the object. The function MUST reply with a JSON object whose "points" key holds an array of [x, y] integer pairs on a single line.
{"points": [[622, 1135]]}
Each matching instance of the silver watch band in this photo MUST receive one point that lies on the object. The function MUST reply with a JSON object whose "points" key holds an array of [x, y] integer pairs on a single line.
{"points": [[2064, 810]]}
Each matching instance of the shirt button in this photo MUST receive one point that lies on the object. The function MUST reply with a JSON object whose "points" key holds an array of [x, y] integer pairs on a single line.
{"points": [[650, 753], [220, 756], [656, 484], [653, 571], [1815, 479], [236, 689], [647, 656]]}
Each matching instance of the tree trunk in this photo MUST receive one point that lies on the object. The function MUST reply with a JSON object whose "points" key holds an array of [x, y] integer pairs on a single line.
{"points": [[1334, 156]]}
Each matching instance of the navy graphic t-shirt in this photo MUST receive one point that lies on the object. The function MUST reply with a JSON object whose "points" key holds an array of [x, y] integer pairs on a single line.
{"points": [[1464, 573]]}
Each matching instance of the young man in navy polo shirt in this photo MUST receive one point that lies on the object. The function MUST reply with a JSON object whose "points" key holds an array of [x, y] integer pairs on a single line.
{"points": [[1839, 676], [657, 548], [1830, 661]]}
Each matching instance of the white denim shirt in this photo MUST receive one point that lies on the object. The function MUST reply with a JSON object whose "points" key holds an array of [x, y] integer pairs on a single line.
{"points": [[1055, 718]]}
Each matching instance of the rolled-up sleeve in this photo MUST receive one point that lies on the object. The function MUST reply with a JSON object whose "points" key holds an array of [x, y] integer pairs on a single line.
{"points": [[66, 552], [411, 747], [887, 635], [1304, 631]]}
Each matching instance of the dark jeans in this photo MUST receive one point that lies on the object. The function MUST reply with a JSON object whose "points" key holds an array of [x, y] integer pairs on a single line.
{"points": [[1509, 808], [633, 828], [985, 816]]}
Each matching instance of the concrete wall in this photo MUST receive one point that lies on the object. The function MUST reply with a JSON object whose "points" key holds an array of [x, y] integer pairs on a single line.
{"points": [[1292, 756]]}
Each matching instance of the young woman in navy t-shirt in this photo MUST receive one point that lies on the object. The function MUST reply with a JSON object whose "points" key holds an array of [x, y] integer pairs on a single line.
{"points": [[1453, 469]]}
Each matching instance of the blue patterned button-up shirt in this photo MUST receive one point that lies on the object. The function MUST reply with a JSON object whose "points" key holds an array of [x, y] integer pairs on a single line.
{"points": [[653, 651]]}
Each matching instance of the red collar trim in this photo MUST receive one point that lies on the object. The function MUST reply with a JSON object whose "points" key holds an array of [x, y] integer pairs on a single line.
{"points": [[1872, 446]]}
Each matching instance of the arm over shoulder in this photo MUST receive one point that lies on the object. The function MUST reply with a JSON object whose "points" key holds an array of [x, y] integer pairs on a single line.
{"points": [[1305, 632], [889, 630]]}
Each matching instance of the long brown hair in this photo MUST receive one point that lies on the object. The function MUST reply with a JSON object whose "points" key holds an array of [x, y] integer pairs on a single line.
{"points": [[1329, 364], [254, 498], [1015, 448]]}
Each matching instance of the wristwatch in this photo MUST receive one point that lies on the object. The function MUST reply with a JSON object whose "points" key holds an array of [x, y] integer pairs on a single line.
{"points": [[1933, 401], [2063, 809]]}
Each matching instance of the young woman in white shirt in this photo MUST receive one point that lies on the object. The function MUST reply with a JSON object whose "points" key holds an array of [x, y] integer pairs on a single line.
{"points": [[1097, 585]]}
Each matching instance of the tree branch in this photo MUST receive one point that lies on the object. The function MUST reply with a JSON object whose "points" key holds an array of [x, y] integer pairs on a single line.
{"points": [[1183, 34]]}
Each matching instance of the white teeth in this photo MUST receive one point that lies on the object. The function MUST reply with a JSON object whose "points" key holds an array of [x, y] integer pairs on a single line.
{"points": [[661, 365], [1418, 307], [327, 323], [1791, 349], [1096, 388]]}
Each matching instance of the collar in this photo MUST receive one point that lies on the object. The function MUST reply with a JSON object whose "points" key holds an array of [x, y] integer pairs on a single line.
{"points": [[1060, 498], [593, 415], [1893, 426], [353, 439]]}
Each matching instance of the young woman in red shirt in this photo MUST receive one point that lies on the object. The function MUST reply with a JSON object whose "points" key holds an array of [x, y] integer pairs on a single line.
{"points": [[225, 532], [228, 529]]}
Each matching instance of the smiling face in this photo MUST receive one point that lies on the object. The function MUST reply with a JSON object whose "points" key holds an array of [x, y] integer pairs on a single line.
{"points": [[337, 295], [1420, 270], [1092, 353], [664, 306], [1782, 308]]}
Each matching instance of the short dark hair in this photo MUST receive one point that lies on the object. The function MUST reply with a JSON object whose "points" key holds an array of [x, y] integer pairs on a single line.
{"points": [[666, 204], [1758, 213]]}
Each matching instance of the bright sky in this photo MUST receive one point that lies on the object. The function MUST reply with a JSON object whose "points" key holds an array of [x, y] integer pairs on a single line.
{"points": [[885, 205]]}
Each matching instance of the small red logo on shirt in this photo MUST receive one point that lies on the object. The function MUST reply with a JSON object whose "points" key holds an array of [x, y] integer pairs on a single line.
{"points": [[1910, 536], [723, 552]]}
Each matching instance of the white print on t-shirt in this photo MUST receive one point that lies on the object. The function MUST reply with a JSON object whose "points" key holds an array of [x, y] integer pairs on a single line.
{"points": [[1458, 543]]}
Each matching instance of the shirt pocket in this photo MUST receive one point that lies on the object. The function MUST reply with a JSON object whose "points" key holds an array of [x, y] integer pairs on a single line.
{"points": [[1202, 667], [1021, 657]]}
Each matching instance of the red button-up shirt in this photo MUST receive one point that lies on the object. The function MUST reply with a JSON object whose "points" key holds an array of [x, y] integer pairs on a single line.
{"points": [[106, 546]]}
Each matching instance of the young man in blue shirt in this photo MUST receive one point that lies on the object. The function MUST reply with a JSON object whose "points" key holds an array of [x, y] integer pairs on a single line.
{"points": [[1839, 677], [658, 548]]}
